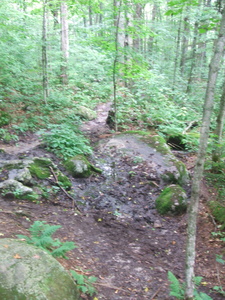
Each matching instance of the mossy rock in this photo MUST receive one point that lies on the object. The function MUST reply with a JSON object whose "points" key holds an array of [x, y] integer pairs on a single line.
{"points": [[80, 167], [172, 201], [41, 169], [218, 212], [177, 174], [29, 273], [39, 172], [64, 180], [86, 113], [15, 189]]}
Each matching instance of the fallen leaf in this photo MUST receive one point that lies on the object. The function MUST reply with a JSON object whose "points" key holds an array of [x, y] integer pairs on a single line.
{"points": [[36, 256], [146, 289], [1, 234], [17, 256], [6, 246]]}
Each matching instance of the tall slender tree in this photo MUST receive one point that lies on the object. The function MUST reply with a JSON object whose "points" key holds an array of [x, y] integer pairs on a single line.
{"points": [[44, 53], [198, 172], [64, 42]]}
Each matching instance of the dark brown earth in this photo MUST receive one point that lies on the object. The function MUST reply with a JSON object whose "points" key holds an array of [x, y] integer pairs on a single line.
{"points": [[129, 256]]}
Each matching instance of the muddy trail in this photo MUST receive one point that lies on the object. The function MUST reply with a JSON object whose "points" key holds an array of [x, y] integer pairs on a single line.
{"points": [[129, 247]]}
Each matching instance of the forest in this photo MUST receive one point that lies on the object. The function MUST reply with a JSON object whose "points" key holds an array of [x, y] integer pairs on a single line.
{"points": [[74, 73]]}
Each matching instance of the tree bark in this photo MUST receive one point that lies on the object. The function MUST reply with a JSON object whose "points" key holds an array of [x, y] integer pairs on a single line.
{"points": [[184, 46], [116, 16], [193, 58], [44, 54], [216, 154], [198, 172], [64, 43], [176, 55]]}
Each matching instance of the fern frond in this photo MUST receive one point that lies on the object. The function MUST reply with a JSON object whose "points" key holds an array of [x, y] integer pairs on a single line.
{"points": [[50, 230], [65, 247], [176, 289]]}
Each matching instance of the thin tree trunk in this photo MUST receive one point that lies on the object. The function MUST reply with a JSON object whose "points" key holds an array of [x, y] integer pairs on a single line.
{"points": [[116, 12], [44, 54], [90, 15], [64, 43], [176, 55], [184, 45], [198, 172], [216, 154], [193, 63]]}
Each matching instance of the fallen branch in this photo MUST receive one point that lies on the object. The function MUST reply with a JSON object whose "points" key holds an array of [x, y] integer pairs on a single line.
{"points": [[192, 123], [155, 294], [63, 190]]}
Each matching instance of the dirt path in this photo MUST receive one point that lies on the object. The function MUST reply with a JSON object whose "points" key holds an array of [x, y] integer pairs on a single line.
{"points": [[130, 257]]}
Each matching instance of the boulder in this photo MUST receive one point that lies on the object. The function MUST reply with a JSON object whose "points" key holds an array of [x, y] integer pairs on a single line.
{"points": [[29, 273], [86, 113], [24, 176], [80, 167], [15, 188], [172, 201]]}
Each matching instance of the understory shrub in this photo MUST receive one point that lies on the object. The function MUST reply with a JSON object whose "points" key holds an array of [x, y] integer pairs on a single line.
{"points": [[65, 141], [41, 236], [177, 289]]}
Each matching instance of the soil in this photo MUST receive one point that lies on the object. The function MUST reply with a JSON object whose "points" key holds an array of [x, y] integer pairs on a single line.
{"points": [[130, 253]]}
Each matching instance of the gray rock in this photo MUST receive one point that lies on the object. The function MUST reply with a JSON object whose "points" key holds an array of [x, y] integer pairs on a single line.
{"points": [[86, 113], [79, 166], [24, 176], [172, 200], [17, 189], [29, 273]]}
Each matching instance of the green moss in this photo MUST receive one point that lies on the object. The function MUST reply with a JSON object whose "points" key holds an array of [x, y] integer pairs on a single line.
{"points": [[43, 162], [172, 200], [218, 212], [181, 177], [39, 172], [64, 181], [40, 169], [80, 167]]}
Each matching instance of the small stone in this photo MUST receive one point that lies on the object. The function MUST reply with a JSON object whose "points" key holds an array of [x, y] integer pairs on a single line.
{"points": [[157, 224]]}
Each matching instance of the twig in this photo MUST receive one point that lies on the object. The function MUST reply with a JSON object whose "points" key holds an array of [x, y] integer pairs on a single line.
{"points": [[213, 220], [63, 190], [190, 125], [153, 296]]}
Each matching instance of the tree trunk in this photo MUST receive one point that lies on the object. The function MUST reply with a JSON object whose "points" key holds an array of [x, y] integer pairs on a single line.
{"points": [[193, 58], [198, 172], [116, 15], [44, 54], [216, 154], [64, 43], [176, 55], [184, 46]]}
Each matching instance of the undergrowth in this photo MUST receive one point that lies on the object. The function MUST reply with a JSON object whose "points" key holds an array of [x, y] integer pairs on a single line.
{"points": [[84, 283], [65, 141], [177, 289], [41, 236]]}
